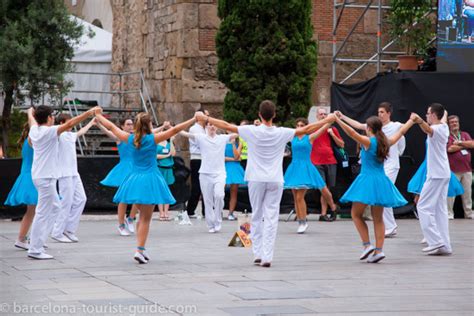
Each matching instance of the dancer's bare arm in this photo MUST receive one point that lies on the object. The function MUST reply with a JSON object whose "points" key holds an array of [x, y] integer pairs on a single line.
{"points": [[219, 123], [159, 137], [402, 131], [310, 128], [86, 128], [116, 131], [355, 124], [361, 139], [76, 120]]}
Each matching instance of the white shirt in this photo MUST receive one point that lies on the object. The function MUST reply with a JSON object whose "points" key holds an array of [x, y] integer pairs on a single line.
{"points": [[437, 161], [45, 143], [194, 149], [212, 152], [397, 149], [266, 146], [67, 155]]}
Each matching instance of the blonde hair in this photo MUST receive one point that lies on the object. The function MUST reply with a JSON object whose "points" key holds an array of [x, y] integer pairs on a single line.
{"points": [[142, 128]]}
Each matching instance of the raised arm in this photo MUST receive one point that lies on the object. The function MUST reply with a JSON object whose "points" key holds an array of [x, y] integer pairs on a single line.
{"points": [[337, 139], [318, 133], [363, 140], [117, 132], [31, 118], [166, 124], [159, 137], [187, 134], [425, 127], [220, 123], [76, 120], [355, 124], [84, 130], [310, 128], [106, 131], [402, 131]]}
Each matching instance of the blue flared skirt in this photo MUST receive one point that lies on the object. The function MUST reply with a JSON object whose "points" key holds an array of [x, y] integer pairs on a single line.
{"points": [[23, 191], [118, 173], [234, 173], [167, 174], [147, 187], [374, 189], [416, 183], [302, 174]]}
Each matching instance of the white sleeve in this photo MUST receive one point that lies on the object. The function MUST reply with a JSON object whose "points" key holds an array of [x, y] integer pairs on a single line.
{"points": [[52, 131], [288, 134], [245, 132]]}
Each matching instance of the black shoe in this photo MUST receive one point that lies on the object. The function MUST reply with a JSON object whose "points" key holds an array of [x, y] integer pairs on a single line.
{"points": [[257, 261], [324, 218]]}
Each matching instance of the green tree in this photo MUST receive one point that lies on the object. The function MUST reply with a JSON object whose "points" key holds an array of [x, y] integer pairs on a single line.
{"points": [[36, 40], [266, 51]]}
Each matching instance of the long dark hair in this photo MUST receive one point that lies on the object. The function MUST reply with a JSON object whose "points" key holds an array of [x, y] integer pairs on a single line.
{"points": [[142, 128], [24, 135], [383, 146]]}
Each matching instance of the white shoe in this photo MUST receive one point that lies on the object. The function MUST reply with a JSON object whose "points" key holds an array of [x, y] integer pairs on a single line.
{"points": [[40, 256], [367, 251], [423, 241], [302, 228], [212, 230], [71, 236], [22, 245], [391, 233], [123, 231], [431, 248], [376, 257], [450, 216], [129, 224], [218, 228], [145, 255], [443, 251], [231, 217], [62, 239], [140, 257]]}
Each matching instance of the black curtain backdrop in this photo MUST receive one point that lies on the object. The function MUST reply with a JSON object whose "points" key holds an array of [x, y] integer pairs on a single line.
{"points": [[407, 92]]}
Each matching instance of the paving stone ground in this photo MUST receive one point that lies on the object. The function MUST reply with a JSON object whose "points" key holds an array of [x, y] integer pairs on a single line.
{"points": [[195, 273]]}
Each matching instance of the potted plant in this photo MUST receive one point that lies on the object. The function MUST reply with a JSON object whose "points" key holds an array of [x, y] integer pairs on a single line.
{"points": [[413, 38]]}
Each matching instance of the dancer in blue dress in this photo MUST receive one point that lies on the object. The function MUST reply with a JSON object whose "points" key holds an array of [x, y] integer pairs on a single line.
{"points": [[23, 191], [234, 174], [372, 187], [144, 186], [164, 153], [118, 173], [302, 175], [416, 183]]}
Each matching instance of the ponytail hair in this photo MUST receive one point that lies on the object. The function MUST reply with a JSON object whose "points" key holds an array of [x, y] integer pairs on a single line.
{"points": [[375, 124], [142, 128], [23, 135]]}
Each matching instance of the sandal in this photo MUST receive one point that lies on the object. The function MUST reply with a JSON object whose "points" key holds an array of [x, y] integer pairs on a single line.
{"points": [[162, 218]]}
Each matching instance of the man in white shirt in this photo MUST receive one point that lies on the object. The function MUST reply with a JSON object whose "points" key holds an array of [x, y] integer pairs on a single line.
{"points": [[45, 141], [212, 172], [264, 173], [392, 163], [432, 205], [195, 164], [71, 191]]}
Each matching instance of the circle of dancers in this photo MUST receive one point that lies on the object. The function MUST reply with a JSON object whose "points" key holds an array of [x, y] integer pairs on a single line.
{"points": [[50, 186]]}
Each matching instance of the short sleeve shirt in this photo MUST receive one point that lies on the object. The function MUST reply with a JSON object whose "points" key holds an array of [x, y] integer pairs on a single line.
{"points": [[266, 147], [45, 143]]}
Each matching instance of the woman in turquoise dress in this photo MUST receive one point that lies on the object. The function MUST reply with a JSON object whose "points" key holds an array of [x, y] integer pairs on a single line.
{"points": [[118, 173], [164, 153], [23, 191], [144, 186], [302, 175], [234, 174], [416, 183], [372, 187]]}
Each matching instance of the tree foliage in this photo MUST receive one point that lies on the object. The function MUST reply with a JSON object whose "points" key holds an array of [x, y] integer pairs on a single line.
{"points": [[36, 40], [266, 51]]}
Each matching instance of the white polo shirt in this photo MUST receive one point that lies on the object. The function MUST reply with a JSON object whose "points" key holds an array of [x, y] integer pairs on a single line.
{"points": [[67, 154], [212, 152], [45, 143], [437, 163], [266, 147]]}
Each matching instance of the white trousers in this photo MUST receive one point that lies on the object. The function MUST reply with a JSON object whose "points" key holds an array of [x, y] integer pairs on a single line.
{"points": [[466, 180], [46, 211], [433, 212], [73, 200], [265, 200], [388, 217], [212, 189]]}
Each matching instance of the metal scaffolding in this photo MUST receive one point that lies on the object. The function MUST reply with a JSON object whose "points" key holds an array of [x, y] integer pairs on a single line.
{"points": [[381, 51]]}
